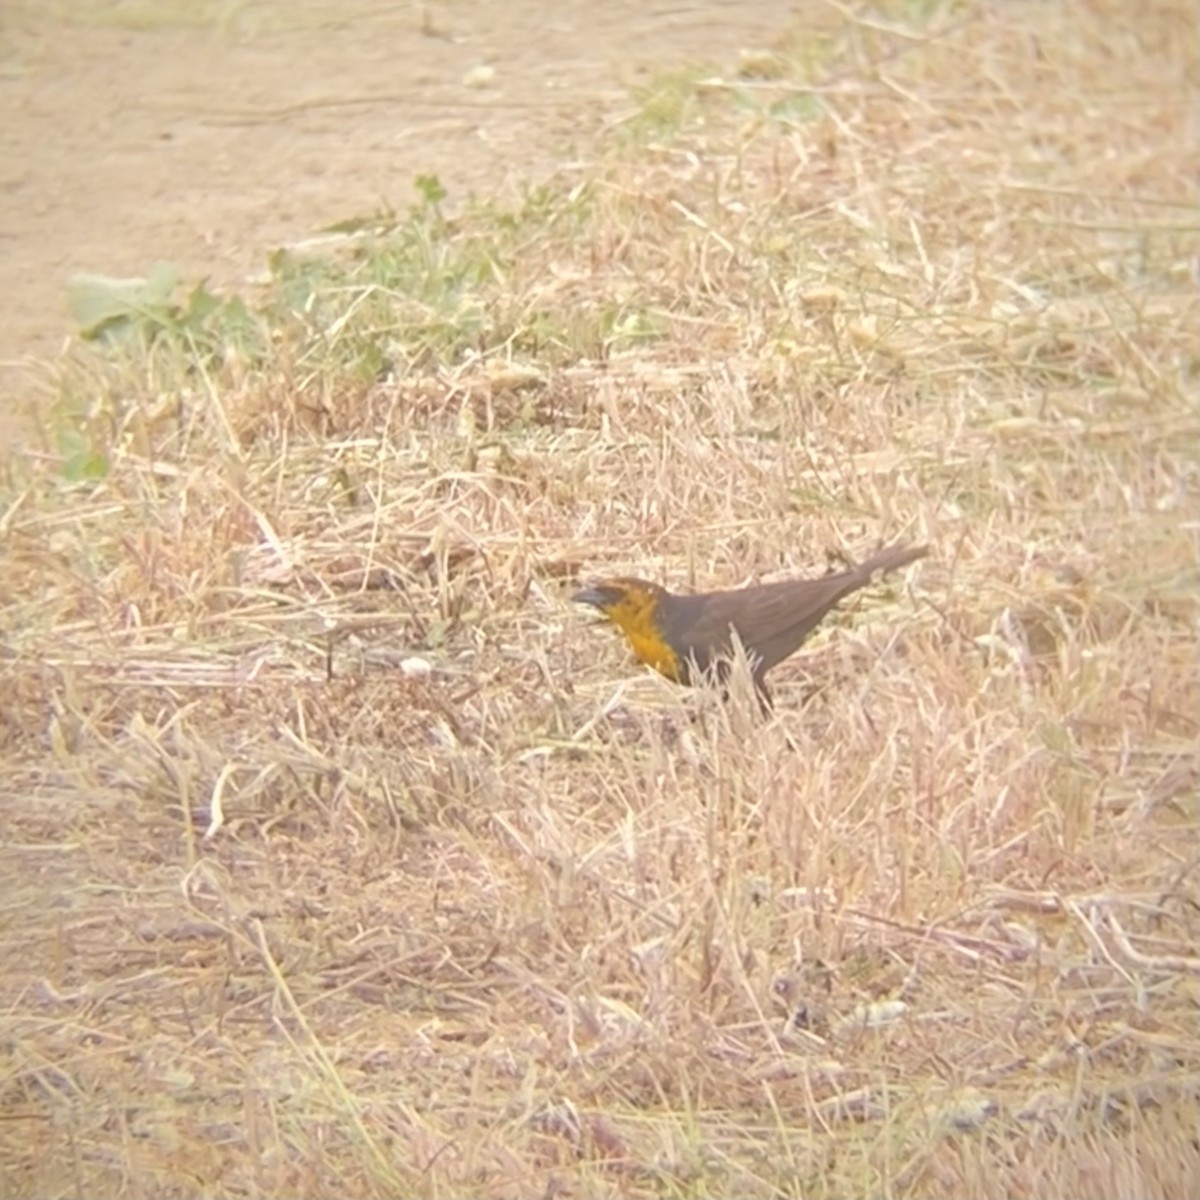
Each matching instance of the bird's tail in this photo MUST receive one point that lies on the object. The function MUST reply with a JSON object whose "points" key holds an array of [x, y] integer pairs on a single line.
{"points": [[891, 558]]}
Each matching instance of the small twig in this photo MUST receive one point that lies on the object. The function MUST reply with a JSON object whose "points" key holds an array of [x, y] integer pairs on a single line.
{"points": [[1156, 962]]}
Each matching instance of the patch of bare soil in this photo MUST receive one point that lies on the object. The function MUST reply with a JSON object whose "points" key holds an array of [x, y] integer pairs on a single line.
{"points": [[206, 135]]}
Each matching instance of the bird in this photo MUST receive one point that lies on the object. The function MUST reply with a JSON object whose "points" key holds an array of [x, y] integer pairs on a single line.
{"points": [[690, 638]]}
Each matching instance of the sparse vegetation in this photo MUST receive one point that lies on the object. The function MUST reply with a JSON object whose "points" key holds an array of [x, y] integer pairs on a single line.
{"points": [[341, 857]]}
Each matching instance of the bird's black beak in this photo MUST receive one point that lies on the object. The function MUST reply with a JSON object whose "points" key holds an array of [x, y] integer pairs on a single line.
{"points": [[597, 595]]}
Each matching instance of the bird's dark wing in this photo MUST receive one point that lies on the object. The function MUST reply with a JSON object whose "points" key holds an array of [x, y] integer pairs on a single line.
{"points": [[772, 620]]}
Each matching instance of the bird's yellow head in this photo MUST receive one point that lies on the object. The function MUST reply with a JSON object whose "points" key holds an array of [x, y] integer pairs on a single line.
{"points": [[632, 605]]}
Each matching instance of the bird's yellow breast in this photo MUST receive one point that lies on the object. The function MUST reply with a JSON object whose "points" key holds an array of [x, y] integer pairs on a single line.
{"points": [[636, 616], [654, 652]]}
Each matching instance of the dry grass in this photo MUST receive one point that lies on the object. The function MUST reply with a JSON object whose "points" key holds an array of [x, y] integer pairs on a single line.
{"points": [[522, 926]]}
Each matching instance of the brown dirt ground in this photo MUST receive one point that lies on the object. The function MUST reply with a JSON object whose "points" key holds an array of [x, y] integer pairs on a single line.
{"points": [[207, 134]]}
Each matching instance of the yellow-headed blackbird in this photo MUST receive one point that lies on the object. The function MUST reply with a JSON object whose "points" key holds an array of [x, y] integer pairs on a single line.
{"points": [[689, 637]]}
